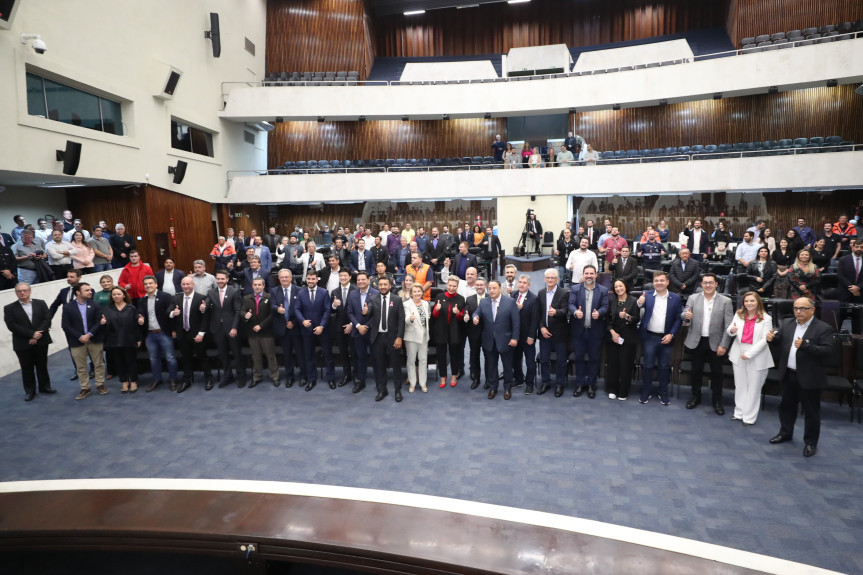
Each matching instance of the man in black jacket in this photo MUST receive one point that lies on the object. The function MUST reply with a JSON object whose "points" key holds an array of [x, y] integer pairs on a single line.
{"points": [[624, 268], [528, 325], [30, 322], [224, 311], [84, 335], [474, 332], [189, 328], [684, 274], [153, 318], [552, 303], [387, 328]]}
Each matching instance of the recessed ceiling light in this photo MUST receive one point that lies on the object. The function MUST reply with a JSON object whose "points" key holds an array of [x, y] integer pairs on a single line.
{"points": [[414, 12], [517, 1]]}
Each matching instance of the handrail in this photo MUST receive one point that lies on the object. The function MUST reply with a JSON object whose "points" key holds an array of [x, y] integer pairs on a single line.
{"points": [[330, 82]]}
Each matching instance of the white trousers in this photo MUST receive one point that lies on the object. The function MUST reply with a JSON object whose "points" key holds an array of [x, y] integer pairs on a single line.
{"points": [[747, 391], [417, 350]]}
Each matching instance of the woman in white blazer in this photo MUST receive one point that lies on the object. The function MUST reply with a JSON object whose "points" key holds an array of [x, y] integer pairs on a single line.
{"points": [[416, 337], [750, 356]]}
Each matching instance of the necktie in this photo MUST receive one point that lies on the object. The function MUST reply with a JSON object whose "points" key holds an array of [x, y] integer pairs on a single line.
{"points": [[69, 296], [257, 301], [312, 295], [857, 266], [344, 294], [186, 314], [520, 297], [222, 296], [384, 312], [623, 264], [285, 291]]}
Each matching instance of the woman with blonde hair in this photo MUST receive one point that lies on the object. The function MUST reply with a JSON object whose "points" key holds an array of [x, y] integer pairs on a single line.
{"points": [[803, 276], [749, 356], [407, 284], [535, 160], [417, 321]]}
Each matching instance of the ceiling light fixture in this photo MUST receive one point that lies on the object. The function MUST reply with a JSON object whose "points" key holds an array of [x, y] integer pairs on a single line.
{"points": [[414, 12], [517, 1]]}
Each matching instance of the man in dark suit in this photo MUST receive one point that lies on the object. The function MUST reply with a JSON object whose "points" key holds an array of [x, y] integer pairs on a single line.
{"points": [[66, 294], [491, 248], [534, 233], [30, 322], [286, 328], [189, 327], [340, 325], [224, 310], [800, 346], [592, 235], [552, 304], [588, 308], [84, 335], [624, 267], [255, 270], [660, 321], [528, 319], [328, 278], [698, 240], [474, 332], [313, 313], [153, 310], [340, 251], [387, 328], [500, 329], [175, 277], [402, 256], [360, 317], [435, 248], [684, 274], [850, 275], [463, 260], [362, 259], [258, 321], [466, 235]]}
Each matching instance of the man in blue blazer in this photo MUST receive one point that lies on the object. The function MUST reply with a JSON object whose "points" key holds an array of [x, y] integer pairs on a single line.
{"points": [[254, 270], [588, 306], [366, 255], [660, 321], [360, 316], [286, 327], [81, 318], [500, 329], [176, 276], [263, 252], [313, 313], [528, 318]]}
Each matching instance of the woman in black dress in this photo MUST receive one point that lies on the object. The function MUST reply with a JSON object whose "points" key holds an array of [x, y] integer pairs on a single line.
{"points": [[762, 273], [123, 337], [623, 316], [448, 332], [820, 257], [795, 242]]}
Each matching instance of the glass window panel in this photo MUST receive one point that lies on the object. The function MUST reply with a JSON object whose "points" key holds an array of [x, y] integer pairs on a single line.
{"points": [[36, 96], [180, 137], [112, 118], [72, 106], [191, 139]]}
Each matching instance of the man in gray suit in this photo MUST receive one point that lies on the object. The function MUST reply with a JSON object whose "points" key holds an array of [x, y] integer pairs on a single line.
{"points": [[500, 329], [709, 314]]}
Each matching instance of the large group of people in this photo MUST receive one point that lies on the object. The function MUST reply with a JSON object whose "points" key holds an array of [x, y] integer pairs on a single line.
{"points": [[573, 150], [352, 307]]}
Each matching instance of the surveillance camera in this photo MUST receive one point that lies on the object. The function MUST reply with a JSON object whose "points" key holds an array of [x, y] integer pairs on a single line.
{"points": [[147, 177], [36, 41]]}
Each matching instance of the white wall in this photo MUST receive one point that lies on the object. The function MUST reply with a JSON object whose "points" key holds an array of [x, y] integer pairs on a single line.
{"points": [[792, 68], [806, 171], [123, 50], [32, 203]]}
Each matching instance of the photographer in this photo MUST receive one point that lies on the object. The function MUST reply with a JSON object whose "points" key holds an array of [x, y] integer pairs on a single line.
{"points": [[533, 229]]}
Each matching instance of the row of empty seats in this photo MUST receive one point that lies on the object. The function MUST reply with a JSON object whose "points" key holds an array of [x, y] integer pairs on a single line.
{"points": [[805, 37], [308, 78], [388, 165]]}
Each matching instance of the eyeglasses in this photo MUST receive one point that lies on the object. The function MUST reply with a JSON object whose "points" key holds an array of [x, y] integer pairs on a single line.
{"points": [[802, 308]]}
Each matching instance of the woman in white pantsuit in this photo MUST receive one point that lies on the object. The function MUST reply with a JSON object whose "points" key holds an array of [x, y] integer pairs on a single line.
{"points": [[417, 337], [750, 356]]}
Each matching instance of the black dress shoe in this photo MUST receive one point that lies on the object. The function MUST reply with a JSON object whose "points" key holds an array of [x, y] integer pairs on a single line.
{"points": [[303, 382], [558, 391], [254, 382], [184, 386], [358, 388], [518, 384], [241, 382], [74, 377], [224, 383], [153, 386], [344, 381], [381, 395], [528, 390], [332, 383], [591, 393], [276, 382], [289, 383], [779, 438], [460, 374], [718, 408], [311, 385], [398, 395], [173, 386], [29, 397], [542, 389], [474, 384], [48, 390], [693, 403], [578, 392], [485, 386], [209, 385], [492, 394], [809, 451], [507, 395]]}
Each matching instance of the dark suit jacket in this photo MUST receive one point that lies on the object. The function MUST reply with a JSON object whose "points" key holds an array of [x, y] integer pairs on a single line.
{"points": [[678, 276], [395, 319], [164, 304], [846, 276], [538, 235], [557, 323], [118, 244], [198, 321], [464, 236], [433, 252], [339, 316], [400, 263], [263, 317], [528, 316], [22, 328], [318, 311], [73, 325], [177, 277], [323, 276], [600, 304], [355, 309], [60, 300], [626, 273], [226, 316], [474, 332], [7, 239], [497, 333], [246, 280], [702, 245], [280, 321], [768, 275], [490, 246], [591, 239], [369, 258], [672, 313], [818, 342], [456, 262]]}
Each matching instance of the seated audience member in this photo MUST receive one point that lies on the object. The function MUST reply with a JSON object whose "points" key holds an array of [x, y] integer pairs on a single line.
{"points": [[511, 158], [565, 157], [535, 160], [761, 274], [684, 274], [845, 231], [588, 155], [804, 277], [746, 252], [820, 257]]}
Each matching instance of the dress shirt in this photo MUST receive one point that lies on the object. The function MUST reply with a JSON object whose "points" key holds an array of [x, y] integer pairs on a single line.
{"points": [[82, 308], [708, 309], [151, 313], [204, 284], [465, 290], [799, 331], [332, 282], [588, 306], [168, 285], [186, 303], [660, 308], [696, 240], [494, 305], [361, 260], [28, 309], [549, 297], [748, 252]]}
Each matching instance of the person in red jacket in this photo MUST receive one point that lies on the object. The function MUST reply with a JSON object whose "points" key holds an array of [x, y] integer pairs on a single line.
{"points": [[133, 274]]}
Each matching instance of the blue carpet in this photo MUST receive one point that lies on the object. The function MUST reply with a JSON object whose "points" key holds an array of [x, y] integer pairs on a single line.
{"points": [[665, 469]]}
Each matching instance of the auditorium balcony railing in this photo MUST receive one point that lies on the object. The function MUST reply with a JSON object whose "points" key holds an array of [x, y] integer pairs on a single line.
{"points": [[788, 66]]}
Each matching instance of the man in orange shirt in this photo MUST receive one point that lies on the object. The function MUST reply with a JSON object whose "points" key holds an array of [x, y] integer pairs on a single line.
{"points": [[846, 232], [423, 274], [222, 253], [133, 274]]}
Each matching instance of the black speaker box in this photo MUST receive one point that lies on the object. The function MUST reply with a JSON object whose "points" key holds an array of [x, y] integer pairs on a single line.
{"points": [[214, 35], [70, 157], [179, 171]]}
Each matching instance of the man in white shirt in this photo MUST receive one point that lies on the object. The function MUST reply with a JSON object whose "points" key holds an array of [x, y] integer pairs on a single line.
{"points": [[466, 286], [660, 321], [59, 254], [580, 258], [78, 227], [746, 252], [385, 234]]}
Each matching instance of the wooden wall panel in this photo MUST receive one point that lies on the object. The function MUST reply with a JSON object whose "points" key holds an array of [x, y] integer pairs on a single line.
{"points": [[114, 204], [754, 17], [384, 139], [319, 36], [495, 28], [800, 113]]}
